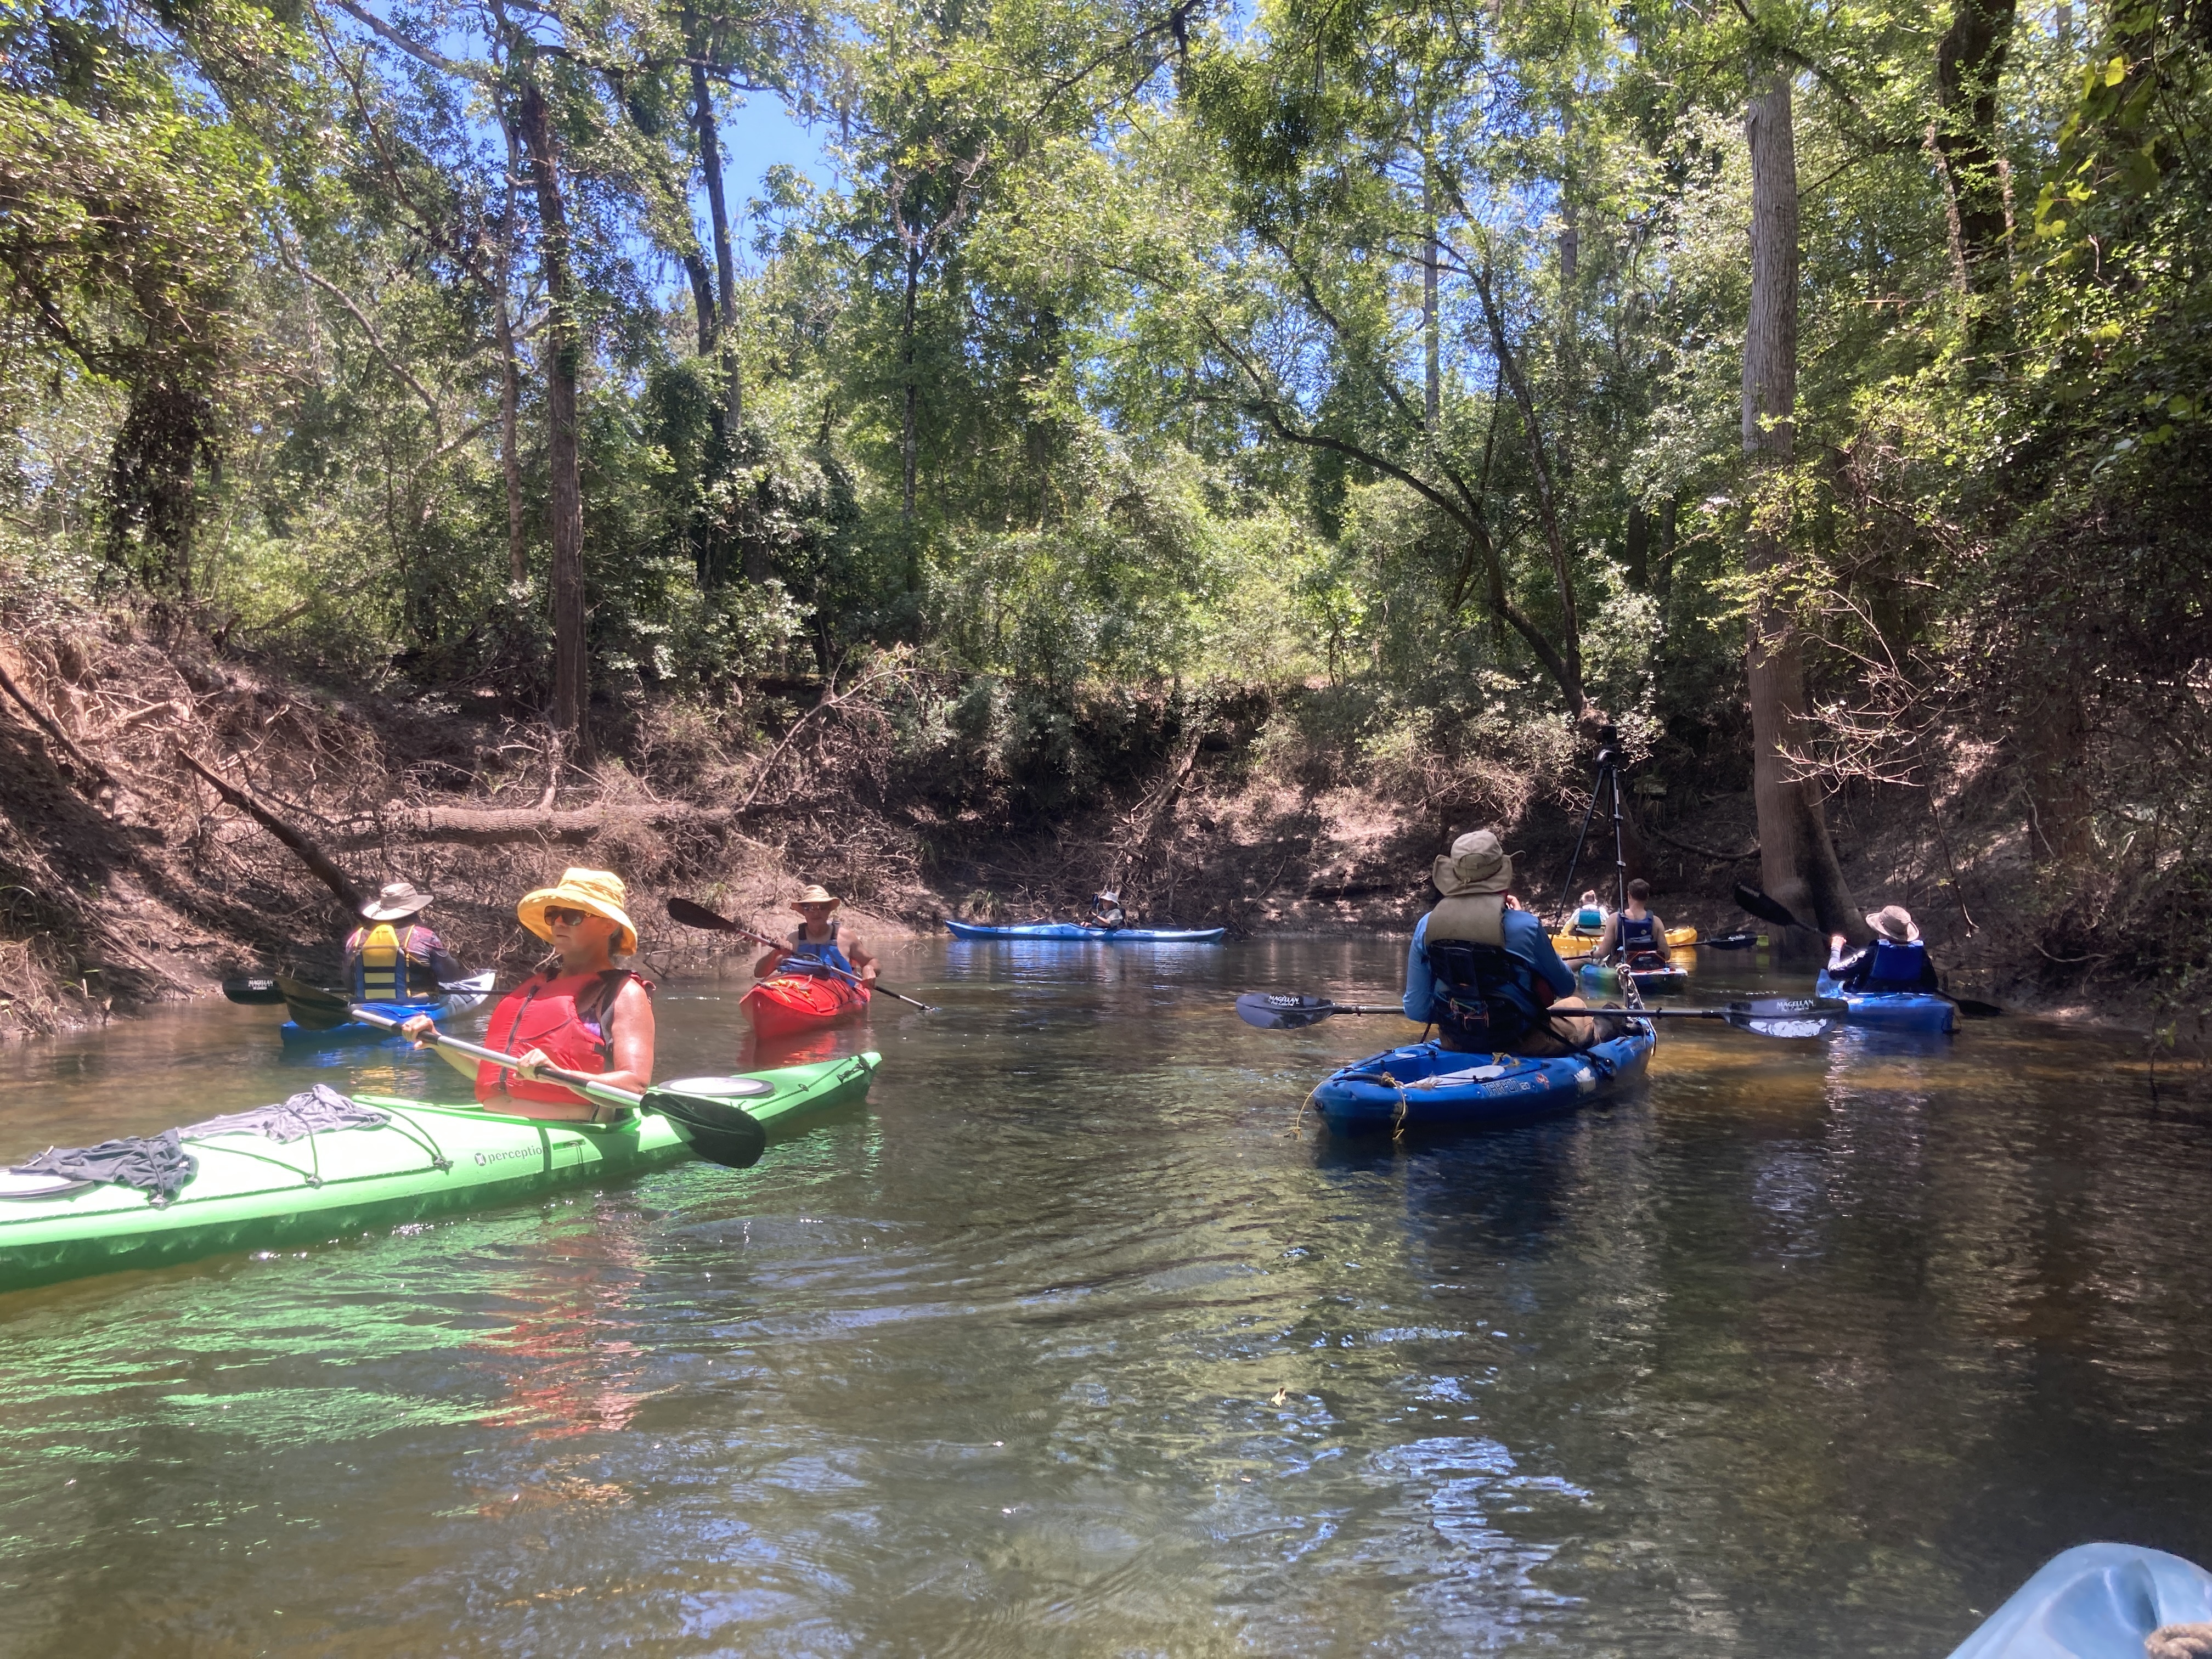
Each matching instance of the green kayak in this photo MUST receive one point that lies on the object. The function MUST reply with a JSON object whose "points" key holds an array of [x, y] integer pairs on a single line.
{"points": [[252, 1193]]}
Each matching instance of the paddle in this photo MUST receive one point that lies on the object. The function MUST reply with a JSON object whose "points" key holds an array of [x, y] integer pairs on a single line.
{"points": [[717, 1130], [698, 915], [1766, 909], [319, 1002], [1774, 1017], [1725, 942], [1751, 899]]}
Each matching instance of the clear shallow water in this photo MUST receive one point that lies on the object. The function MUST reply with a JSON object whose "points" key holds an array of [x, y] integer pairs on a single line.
{"points": [[1796, 1350]]}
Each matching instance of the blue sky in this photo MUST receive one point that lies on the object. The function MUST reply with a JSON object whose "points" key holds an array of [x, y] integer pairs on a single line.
{"points": [[762, 134]]}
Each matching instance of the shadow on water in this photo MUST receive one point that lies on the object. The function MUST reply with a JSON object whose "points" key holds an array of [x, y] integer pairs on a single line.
{"points": [[1065, 1343]]}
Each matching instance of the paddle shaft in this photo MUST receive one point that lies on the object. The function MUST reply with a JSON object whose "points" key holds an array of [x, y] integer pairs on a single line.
{"points": [[1553, 1010], [698, 915], [590, 1087]]}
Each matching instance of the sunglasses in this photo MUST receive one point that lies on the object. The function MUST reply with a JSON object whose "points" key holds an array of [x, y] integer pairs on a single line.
{"points": [[556, 914]]}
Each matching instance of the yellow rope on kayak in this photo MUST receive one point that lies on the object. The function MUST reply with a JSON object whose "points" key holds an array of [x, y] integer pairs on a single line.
{"points": [[1397, 1122]]}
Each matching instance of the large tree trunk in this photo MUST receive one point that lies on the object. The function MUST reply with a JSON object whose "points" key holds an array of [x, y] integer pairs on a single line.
{"points": [[564, 353], [1797, 860], [1432, 339], [1968, 62], [510, 373], [912, 393], [726, 264]]}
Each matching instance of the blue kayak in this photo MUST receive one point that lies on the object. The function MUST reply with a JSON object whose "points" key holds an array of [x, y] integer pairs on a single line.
{"points": [[1892, 1011], [1069, 930], [354, 1031], [1425, 1085], [2093, 1601]]}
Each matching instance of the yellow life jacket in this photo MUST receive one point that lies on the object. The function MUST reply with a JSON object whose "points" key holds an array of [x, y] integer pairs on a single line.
{"points": [[381, 963]]}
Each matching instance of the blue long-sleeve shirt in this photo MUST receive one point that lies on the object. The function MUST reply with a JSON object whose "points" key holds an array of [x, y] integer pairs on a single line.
{"points": [[1524, 937]]}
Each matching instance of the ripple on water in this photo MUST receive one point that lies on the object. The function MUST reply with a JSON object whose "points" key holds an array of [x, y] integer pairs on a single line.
{"points": [[1066, 1344]]}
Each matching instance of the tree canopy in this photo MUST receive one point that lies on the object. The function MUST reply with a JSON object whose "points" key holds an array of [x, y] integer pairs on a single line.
{"points": [[1810, 390]]}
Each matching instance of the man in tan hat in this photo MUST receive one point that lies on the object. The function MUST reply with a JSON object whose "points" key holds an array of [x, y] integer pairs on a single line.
{"points": [[1482, 970], [396, 957], [816, 941], [1896, 961]]}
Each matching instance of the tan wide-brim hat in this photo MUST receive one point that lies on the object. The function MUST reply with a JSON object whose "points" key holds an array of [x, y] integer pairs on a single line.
{"points": [[394, 901], [817, 894], [1894, 922], [600, 892], [1476, 863]]}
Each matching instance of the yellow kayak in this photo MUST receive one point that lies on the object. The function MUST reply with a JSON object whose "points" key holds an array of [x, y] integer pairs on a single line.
{"points": [[1578, 945]]}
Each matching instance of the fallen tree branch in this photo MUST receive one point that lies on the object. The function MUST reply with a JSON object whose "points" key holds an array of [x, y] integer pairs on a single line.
{"points": [[828, 702], [487, 826], [1744, 857], [79, 760], [312, 856]]}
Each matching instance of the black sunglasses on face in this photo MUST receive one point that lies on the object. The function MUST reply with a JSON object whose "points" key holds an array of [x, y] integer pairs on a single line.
{"points": [[557, 914]]}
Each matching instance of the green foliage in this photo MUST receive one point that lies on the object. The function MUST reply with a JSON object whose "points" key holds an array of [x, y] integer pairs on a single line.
{"points": [[1106, 382]]}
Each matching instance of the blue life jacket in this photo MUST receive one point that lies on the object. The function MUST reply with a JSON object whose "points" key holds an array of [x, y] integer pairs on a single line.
{"points": [[815, 957], [1591, 917], [1636, 935], [1896, 967], [1485, 997]]}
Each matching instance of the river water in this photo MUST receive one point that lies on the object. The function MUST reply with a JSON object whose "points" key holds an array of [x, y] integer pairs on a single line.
{"points": [[1074, 1340]]}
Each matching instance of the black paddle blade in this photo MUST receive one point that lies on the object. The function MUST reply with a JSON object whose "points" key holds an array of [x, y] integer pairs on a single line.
{"points": [[719, 1131], [1973, 1010], [1788, 1016], [1766, 909], [1280, 1012], [1729, 942], [253, 992], [314, 1008], [698, 915]]}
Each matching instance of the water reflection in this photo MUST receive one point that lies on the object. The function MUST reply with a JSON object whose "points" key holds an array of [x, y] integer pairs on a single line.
{"points": [[1065, 1343]]}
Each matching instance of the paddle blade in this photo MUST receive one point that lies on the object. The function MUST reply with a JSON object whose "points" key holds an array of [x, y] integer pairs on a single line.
{"points": [[314, 1008], [719, 1130], [253, 992], [1787, 1016], [1729, 942], [1280, 1012], [1766, 909], [698, 915], [1973, 1010]]}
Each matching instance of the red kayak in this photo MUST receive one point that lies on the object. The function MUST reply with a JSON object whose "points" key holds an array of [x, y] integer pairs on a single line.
{"points": [[783, 1005]]}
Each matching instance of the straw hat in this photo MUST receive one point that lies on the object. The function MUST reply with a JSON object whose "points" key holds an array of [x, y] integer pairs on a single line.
{"points": [[394, 901], [600, 892], [1476, 863], [816, 893], [1893, 922]]}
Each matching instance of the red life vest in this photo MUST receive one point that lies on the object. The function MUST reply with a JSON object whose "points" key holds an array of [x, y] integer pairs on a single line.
{"points": [[566, 1017]]}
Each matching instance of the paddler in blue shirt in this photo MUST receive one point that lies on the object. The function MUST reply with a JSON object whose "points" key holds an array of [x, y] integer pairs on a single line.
{"points": [[814, 945], [1896, 961], [1481, 968]]}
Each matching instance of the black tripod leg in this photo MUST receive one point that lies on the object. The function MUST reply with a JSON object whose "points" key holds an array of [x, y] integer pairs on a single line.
{"points": [[1567, 904]]}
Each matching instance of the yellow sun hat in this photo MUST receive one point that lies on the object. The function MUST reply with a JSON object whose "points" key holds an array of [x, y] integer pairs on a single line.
{"points": [[600, 892]]}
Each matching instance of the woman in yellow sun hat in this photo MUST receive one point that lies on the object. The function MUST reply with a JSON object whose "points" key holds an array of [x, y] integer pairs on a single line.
{"points": [[582, 1014]]}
